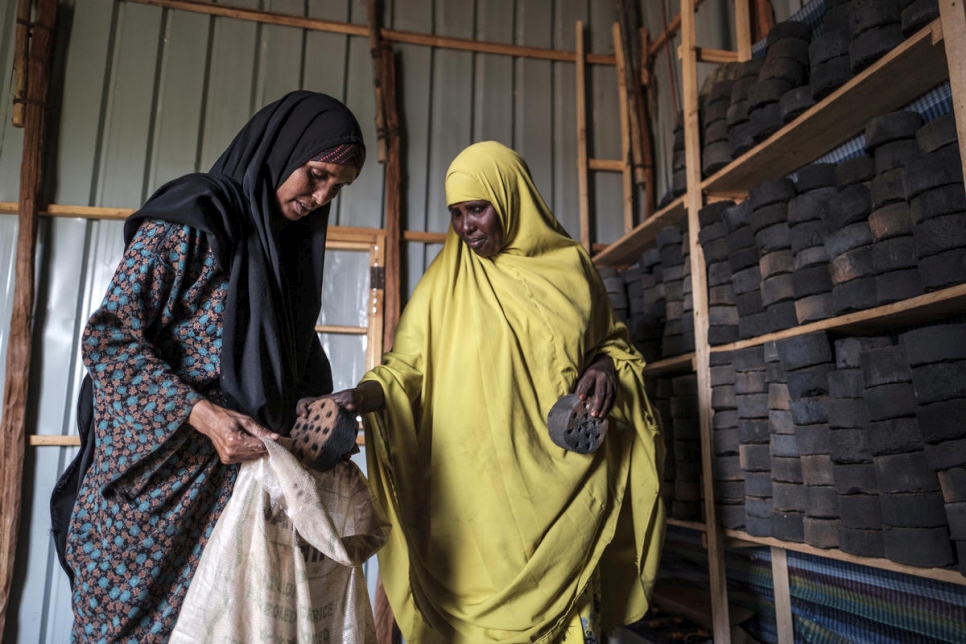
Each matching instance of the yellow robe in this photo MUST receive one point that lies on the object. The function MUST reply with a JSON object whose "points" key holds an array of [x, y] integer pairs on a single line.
{"points": [[496, 530]]}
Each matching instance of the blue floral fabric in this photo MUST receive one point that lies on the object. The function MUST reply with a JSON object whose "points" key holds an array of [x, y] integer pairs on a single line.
{"points": [[156, 487]]}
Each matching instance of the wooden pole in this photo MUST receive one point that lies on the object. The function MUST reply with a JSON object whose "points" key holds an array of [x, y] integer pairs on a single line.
{"points": [[13, 425], [582, 178], [953, 20], [627, 184], [743, 29], [673, 27], [783, 596], [694, 199], [20, 60], [393, 283], [764, 19], [374, 8]]}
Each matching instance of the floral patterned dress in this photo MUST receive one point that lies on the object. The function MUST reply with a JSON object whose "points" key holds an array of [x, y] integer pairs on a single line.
{"points": [[156, 487]]}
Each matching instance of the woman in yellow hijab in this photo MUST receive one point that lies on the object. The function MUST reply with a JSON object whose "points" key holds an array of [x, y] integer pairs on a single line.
{"points": [[499, 535]]}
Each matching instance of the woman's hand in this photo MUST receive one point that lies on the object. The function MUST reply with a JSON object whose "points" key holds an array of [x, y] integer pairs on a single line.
{"points": [[236, 437], [599, 385], [367, 397]]}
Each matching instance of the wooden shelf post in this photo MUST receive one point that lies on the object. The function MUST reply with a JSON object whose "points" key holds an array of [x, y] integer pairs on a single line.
{"points": [[694, 199], [953, 19], [582, 179]]}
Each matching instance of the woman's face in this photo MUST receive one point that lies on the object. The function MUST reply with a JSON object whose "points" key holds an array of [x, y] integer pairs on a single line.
{"points": [[478, 225], [312, 186]]}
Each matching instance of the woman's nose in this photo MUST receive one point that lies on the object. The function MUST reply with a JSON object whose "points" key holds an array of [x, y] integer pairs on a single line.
{"points": [[321, 196]]}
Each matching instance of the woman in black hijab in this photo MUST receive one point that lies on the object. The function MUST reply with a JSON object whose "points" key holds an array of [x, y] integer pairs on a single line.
{"points": [[202, 346]]}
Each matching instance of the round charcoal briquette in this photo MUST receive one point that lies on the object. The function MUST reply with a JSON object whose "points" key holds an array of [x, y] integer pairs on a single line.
{"points": [[905, 473], [809, 411], [730, 515], [946, 455], [822, 532], [787, 469], [887, 188], [828, 76], [809, 382], [744, 257], [925, 510], [721, 295], [717, 111], [897, 154], [943, 269], [846, 383], [851, 265], [937, 133], [722, 315], [757, 526], [748, 359], [815, 176], [813, 280], [746, 280], [716, 250], [804, 350], [727, 468], [784, 445], [864, 543], [789, 29], [895, 435], [847, 445], [894, 254], [774, 237], [942, 421], [856, 295], [789, 497], [939, 381], [791, 72], [715, 156], [725, 419], [868, 14], [769, 215], [792, 48], [916, 15], [938, 343], [940, 234], [741, 137], [853, 204], [855, 478], [764, 121], [778, 396], [938, 202], [893, 220], [869, 46], [809, 256], [719, 274], [923, 547], [722, 374], [849, 351], [770, 191], [758, 506], [758, 484], [860, 511], [752, 405], [777, 288], [885, 365], [749, 304], [751, 382], [754, 457], [811, 205], [940, 168], [718, 335], [852, 236], [812, 439], [831, 44], [854, 171], [753, 431], [894, 126], [753, 326], [822, 501], [848, 413], [814, 308], [788, 526], [953, 484], [781, 421], [776, 263], [738, 110], [712, 229], [725, 442], [896, 286], [796, 102], [782, 315], [737, 216], [810, 234]]}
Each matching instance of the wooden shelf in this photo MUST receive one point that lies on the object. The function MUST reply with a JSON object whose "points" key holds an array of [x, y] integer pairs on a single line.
{"points": [[683, 362], [687, 525], [939, 574], [896, 79], [627, 250], [924, 308]]}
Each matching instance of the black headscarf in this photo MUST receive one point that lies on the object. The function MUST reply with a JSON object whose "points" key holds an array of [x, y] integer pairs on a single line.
{"points": [[271, 355]]}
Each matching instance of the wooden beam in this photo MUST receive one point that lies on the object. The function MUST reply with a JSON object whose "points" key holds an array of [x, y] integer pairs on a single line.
{"points": [[374, 11], [953, 19], [764, 19], [13, 424], [673, 27], [743, 29], [606, 165], [709, 55], [627, 183], [583, 187], [694, 199], [783, 597], [392, 35], [20, 54]]}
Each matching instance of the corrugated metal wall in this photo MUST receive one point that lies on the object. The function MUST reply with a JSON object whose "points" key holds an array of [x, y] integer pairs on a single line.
{"points": [[144, 94]]}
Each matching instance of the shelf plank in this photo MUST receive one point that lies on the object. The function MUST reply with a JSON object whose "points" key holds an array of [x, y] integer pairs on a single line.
{"points": [[899, 77], [924, 308], [687, 525], [683, 362], [939, 574], [627, 250]]}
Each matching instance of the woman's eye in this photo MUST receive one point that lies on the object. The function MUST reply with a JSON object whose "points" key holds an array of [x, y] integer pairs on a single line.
{"points": [[317, 175]]}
